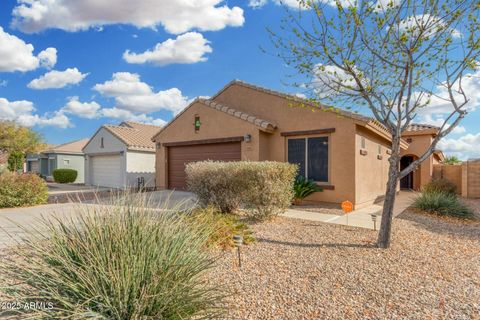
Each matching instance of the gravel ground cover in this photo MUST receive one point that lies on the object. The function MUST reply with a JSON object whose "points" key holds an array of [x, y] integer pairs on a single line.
{"points": [[310, 270], [474, 204]]}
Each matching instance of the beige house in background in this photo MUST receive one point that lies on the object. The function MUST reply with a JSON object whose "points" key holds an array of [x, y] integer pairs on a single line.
{"points": [[345, 153], [121, 156]]}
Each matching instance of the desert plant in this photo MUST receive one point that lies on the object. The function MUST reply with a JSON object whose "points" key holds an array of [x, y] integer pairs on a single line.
{"points": [[304, 187], [224, 226], [65, 175], [263, 188], [440, 185], [268, 188], [216, 183], [452, 160], [117, 261], [18, 190], [442, 203], [15, 161]]}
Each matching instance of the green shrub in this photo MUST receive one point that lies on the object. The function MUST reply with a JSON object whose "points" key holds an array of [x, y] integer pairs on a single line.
{"points": [[65, 175], [15, 161], [268, 188], [304, 187], [440, 185], [117, 261], [442, 203], [224, 226], [18, 190], [216, 183], [262, 188]]}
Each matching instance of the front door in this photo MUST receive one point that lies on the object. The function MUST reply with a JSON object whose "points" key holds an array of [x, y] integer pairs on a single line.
{"points": [[407, 181]]}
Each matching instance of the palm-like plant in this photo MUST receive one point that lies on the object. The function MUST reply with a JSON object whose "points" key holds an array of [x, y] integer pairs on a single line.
{"points": [[304, 187]]}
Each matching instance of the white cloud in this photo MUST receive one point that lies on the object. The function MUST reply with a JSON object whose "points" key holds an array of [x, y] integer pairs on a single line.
{"points": [[297, 4], [257, 3], [57, 79], [92, 110], [439, 106], [329, 80], [57, 120], [427, 23], [439, 121], [134, 95], [16, 55], [175, 16], [3, 83], [48, 57], [186, 48], [87, 110], [465, 147], [22, 113], [126, 115]]}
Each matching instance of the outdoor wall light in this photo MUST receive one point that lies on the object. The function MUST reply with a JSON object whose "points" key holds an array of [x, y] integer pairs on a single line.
{"points": [[374, 219], [247, 137], [238, 241]]}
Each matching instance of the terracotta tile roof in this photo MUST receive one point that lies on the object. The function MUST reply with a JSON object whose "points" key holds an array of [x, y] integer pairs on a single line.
{"points": [[415, 127], [239, 114], [294, 98], [69, 147], [135, 135]]}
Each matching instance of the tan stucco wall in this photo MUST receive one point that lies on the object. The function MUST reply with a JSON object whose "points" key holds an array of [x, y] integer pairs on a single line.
{"points": [[290, 117], [214, 124], [371, 173], [420, 144]]}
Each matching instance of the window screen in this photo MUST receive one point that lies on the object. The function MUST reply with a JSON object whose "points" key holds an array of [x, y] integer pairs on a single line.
{"points": [[318, 159], [296, 154]]}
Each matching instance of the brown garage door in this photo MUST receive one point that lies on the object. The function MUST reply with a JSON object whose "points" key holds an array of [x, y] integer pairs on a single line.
{"points": [[179, 156]]}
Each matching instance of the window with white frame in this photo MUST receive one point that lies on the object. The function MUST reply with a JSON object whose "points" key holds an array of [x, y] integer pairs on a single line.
{"points": [[311, 156]]}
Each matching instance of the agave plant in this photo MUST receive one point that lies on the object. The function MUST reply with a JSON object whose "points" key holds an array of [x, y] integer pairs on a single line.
{"points": [[303, 188]]}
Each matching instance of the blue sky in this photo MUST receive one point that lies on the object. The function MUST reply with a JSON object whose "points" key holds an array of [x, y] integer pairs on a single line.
{"points": [[109, 63]]}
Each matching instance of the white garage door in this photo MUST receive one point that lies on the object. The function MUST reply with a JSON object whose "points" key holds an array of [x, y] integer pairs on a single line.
{"points": [[105, 171]]}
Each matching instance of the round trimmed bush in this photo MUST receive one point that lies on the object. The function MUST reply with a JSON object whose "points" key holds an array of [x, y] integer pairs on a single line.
{"points": [[65, 175], [19, 190]]}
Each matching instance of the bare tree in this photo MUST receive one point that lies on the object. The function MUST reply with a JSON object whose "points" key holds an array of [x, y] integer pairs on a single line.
{"points": [[395, 57]]}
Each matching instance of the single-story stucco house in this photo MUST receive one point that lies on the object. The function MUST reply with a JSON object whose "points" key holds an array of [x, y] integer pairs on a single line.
{"points": [[121, 156], [344, 152], [65, 156]]}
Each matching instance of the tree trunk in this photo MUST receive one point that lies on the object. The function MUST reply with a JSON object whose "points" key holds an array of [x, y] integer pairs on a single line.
{"points": [[387, 213]]}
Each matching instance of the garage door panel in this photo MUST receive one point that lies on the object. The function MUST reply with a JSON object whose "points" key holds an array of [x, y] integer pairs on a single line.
{"points": [[105, 171], [179, 157]]}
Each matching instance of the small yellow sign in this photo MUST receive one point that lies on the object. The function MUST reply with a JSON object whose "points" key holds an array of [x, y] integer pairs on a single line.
{"points": [[347, 206]]}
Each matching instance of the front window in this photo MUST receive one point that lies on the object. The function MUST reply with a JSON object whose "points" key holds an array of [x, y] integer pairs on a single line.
{"points": [[311, 156]]}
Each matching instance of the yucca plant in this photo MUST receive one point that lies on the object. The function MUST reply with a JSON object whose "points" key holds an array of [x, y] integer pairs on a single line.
{"points": [[121, 260], [442, 203], [303, 188]]}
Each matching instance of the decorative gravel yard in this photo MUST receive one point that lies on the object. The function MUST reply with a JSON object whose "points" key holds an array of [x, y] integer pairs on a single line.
{"points": [[307, 270]]}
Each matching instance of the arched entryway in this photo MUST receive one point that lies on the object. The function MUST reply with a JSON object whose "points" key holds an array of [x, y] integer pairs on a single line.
{"points": [[408, 182]]}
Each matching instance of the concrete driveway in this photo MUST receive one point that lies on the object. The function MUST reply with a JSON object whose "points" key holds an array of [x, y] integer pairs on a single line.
{"points": [[16, 223]]}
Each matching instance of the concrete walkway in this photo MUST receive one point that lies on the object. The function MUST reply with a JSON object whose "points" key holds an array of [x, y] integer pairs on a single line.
{"points": [[358, 218]]}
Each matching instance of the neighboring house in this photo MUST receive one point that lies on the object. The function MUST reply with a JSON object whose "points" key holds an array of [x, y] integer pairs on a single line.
{"points": [[419, 138], [345, 153], [68, 155], [121, 156]]}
